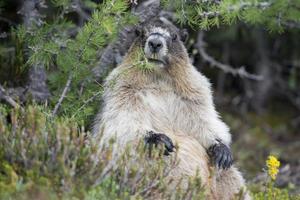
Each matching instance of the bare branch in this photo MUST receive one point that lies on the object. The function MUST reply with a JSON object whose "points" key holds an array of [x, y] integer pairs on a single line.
{"points": [[240, 6], [8, 21], [63, 95], [7, 98], [291, 24], [226, 68]]}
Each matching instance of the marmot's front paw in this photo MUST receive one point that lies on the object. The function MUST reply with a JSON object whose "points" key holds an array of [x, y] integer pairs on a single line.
{"points": [[220, 155], [159, 138]]}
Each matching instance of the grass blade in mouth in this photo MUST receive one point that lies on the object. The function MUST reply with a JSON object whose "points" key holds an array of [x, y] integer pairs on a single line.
{"points": [[156, 61]]}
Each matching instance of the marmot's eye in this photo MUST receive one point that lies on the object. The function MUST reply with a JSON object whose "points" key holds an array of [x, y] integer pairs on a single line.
{"points": [[174, 37], [137, 32]]}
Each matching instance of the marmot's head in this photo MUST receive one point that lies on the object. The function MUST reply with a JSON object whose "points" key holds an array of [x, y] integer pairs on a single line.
{"points": [[161, 41]]}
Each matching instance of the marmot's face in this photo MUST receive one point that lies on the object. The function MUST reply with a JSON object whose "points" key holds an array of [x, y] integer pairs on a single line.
{"points": [[156, 44], [161, 41]]}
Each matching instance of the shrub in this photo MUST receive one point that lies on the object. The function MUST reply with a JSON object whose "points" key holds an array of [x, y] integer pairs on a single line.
{"points": [[53, 158]]}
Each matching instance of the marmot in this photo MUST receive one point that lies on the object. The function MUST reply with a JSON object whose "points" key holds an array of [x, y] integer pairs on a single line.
{"points": [[169, 102]]}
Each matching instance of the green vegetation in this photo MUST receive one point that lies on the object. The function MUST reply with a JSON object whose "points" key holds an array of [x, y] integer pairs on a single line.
{"points": [[53, 159], [275, 15], [50, 158]]}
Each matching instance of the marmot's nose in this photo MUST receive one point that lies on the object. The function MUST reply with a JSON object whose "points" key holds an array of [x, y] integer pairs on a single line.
{"points": [[155, 45]]}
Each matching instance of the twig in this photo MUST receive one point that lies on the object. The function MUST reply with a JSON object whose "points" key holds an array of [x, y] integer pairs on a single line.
{"points": [[7, 98], [149, 187], [291, 24], [226, 68], [240, 6], [166, 173], [87, 102], [63, 94], [8, 21], [68, 83]]}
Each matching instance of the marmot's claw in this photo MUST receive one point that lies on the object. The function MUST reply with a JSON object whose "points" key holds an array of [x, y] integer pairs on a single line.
{"points": [[157, 138], [221, 155]]}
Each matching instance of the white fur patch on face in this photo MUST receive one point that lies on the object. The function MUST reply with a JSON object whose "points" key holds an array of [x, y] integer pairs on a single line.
{"points": [[161, 31]]}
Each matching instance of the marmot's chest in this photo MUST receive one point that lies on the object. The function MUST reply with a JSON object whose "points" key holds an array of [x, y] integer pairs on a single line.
{"points": [[167, 107], [159, 99]]}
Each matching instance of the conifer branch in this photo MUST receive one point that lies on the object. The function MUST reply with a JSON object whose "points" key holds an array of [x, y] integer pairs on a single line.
{"points": [[86, 102], [224, 67], [240, 6], [68, 83], [7, 98]]}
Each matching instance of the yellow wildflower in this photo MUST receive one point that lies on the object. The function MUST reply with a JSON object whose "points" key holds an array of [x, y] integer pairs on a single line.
{"points": [[273, 164]]}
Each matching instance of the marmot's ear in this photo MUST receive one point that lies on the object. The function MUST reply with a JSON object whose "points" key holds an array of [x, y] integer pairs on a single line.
{"points": [[184, 35]]}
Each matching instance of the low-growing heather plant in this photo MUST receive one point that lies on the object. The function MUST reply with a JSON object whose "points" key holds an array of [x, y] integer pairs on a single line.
{"points": [[42, 157], [38, 152], [54, 158]]}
